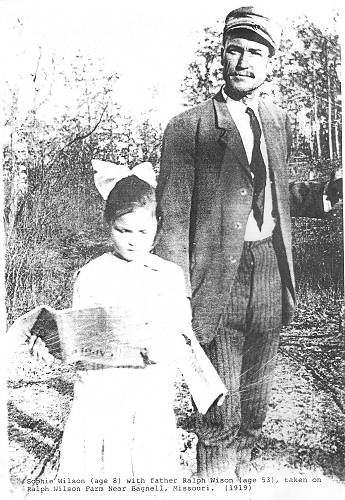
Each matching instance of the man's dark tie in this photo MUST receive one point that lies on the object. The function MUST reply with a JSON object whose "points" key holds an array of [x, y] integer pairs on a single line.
{"points": [[258, 167]]}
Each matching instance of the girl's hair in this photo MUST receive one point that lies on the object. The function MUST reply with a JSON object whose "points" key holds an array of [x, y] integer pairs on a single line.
{"points": [[127, 195]]}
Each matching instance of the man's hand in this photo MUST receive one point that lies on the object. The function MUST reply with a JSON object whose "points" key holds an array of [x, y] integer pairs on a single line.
{"points": [[333, 191]]}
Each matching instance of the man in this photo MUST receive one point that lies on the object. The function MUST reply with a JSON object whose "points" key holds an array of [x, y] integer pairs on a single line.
{"points": [[225, 201]]}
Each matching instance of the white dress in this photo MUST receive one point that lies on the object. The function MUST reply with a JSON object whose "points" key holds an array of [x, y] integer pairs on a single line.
{"points": [[122, 422]]}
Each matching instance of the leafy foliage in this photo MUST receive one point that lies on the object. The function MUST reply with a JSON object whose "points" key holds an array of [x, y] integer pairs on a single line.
{"points": [[204, 73], [309, 87]]}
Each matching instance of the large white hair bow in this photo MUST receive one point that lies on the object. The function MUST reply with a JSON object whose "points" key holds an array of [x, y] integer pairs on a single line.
{"points": [[107, 174]]}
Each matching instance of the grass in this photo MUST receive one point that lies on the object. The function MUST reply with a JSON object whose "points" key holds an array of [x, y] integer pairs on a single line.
{"points": [[319, 268], [52, 239]]}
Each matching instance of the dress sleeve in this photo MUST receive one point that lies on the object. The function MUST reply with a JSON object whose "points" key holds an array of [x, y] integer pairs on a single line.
{"points": [[82, 291]]}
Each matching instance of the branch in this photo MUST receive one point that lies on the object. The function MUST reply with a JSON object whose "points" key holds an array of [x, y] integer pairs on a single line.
{"points": [[78, 137], [34, 76], [75, 139]]}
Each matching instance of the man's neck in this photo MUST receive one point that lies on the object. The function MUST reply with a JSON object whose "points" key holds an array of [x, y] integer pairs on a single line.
{"points": [[246, 98]]}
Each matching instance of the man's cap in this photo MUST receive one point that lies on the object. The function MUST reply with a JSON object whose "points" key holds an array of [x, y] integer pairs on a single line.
{"points": [[249, 18]]}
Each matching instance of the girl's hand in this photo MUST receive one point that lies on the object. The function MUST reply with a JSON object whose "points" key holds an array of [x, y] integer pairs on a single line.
{"points": [[38, 349]]}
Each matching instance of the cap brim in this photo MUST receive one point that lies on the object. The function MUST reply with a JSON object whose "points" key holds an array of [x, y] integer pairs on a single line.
{"points": [[256, 30]]}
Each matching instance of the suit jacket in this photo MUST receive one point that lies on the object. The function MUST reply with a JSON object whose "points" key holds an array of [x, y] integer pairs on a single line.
{"points": [[204, 198]]}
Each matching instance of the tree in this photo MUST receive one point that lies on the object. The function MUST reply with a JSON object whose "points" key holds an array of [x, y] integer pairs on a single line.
{"points": [[309, 86], [204, 73]]}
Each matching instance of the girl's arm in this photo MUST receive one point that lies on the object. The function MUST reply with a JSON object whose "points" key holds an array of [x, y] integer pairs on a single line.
{"points": [[36, 346]]}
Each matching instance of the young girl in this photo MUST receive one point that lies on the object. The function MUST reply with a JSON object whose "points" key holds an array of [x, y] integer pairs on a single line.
{"points": [[122, 421]]}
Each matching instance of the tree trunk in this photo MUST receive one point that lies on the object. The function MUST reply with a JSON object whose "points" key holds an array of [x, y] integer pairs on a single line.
{"points": [[311, 139], [329, 101], [317, 130], [335, 121], [336, 134], [316, 125]]}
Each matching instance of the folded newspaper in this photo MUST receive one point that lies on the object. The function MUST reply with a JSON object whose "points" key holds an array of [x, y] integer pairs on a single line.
{"points": [[107, 337]]}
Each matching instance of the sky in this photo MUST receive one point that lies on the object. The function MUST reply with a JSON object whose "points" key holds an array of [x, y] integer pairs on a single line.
{"points": [[149, 44]]}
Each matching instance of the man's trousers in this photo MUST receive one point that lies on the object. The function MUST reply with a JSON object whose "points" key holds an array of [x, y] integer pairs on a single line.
{"points": [[244, 353]]}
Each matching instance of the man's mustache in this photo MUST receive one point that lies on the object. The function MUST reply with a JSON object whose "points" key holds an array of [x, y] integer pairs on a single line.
{"points": [[242, 73]]}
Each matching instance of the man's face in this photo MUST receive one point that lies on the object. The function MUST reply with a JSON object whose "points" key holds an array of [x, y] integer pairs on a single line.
{"points": [[245, 65]]}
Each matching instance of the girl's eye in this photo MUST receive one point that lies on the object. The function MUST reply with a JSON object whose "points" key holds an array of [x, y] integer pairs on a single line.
{"points": [[143, 231]]}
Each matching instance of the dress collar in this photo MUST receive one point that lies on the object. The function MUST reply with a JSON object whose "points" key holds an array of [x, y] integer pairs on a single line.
{"points": [[149, 260]]}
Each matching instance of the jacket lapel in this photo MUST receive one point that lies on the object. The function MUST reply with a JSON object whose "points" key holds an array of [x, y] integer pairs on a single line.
{"points": [[276, 155], [229, 134], [271, 131]]}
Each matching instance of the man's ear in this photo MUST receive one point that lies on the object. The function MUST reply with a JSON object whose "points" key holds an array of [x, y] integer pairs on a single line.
{"points": [[270, 64]]}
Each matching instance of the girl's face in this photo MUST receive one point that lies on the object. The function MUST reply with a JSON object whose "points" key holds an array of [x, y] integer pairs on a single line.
{"points": [[133, 234]]}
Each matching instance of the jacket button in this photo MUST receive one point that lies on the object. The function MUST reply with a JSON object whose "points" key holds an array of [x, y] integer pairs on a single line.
{"points": [[233, 260], [243, 192], [238, 225]]}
